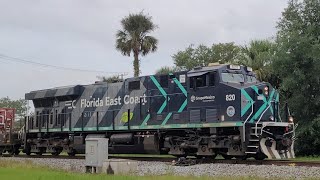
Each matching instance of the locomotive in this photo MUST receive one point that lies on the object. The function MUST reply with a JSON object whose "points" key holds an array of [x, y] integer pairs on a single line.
{"points": [[218, 109]]}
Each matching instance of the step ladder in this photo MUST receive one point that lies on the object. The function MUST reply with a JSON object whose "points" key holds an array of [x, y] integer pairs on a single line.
{"points": [[254, 139]]}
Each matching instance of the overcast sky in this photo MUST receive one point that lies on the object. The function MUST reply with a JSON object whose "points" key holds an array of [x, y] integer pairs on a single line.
{"points": [[81, 34]]}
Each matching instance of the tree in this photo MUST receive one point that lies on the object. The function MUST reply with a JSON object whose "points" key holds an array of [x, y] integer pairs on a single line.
{"points": [[203, 55], [134, 38], [167, 70], [258, 55], [226, 52], [297, 64], [111, 79]]}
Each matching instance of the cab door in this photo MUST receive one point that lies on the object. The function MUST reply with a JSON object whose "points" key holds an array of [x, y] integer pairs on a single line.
{"points": [[202, 92]]}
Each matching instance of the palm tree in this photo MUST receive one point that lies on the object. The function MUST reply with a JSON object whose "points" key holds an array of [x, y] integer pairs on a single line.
{"points": [[258, 55], [134, 37]]}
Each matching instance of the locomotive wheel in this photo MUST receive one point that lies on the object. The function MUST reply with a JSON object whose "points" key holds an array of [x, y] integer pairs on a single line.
{"points": [[39, 153], [14, 152], [259, 156], [227, 157], [241, 157], [27, 151], [55, 153], [200, 157], [214, 156], [72, 152], [11, 152]]}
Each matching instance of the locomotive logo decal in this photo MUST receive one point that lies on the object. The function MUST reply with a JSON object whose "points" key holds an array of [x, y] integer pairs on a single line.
{"points": [[70, 104], [231, 111], [124, 117], [192, 98], [127, 99], [208, 98]]}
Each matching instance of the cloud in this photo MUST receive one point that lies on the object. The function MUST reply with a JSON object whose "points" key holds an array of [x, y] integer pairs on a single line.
{"points": [[81, 34]]}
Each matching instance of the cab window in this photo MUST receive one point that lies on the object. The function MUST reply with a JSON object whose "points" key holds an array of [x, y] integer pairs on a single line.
{"points": [[207, 79], [232, 77], [198, 81], [251, 79]]}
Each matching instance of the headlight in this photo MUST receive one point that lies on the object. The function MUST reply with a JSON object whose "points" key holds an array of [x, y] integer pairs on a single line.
{"points": [[290, 119], [271, 118], [266, 90], [237, 67]]}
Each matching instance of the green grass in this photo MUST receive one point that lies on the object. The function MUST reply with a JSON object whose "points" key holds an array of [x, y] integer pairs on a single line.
{"points": [[307, 158], [12, 170]]}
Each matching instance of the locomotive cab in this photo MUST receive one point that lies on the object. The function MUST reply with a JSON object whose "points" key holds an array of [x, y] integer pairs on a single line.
{"points": [[232, 93]]}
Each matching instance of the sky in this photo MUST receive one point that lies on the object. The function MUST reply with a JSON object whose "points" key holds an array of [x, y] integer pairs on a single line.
{"points": [[80, 34]]}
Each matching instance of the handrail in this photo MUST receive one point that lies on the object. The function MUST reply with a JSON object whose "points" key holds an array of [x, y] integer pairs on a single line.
{"points": [[244, 123], [294, 131], [256, 125], [279, 115]]}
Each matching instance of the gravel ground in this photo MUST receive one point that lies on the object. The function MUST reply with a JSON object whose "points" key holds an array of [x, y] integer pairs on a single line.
{"points": [[161, 168]]}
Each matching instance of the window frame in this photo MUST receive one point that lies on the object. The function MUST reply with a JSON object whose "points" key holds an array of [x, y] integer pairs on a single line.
{"points": [[130, 88]]}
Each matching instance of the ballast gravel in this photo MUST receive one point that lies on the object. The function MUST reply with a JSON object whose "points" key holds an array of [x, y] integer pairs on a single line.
{"points": [[164, 168]]}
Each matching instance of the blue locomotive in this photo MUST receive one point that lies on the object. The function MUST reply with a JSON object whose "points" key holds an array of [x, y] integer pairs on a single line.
{"points": [[218, 109]]}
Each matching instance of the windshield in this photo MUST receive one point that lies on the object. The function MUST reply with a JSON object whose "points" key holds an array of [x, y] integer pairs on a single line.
{"points": [[251, 79], [232, 77]]}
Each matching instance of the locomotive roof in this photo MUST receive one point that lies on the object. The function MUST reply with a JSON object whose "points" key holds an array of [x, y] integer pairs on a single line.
{"points": [[56, 92], [207, 68], [75, 89]]}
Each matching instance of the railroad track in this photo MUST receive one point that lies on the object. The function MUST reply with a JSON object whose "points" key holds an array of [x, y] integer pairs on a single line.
{"points": [[171, 160]]}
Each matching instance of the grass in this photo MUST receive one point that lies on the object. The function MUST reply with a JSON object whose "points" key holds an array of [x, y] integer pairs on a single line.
{"points": [[307, 158], [27, 171]]}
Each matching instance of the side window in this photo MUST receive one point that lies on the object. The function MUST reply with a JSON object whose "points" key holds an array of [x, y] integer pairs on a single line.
{"points": [[191, 80], [134, 85], [43, 118], [37, 119], [201, 81], [51, 117], [198, 81], [31, 122], [212, 79], [56, 118]]}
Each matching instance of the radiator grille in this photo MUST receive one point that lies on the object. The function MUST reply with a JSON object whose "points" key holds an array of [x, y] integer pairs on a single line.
{"points": [[195, 115], [176, 116], [211, 115]]}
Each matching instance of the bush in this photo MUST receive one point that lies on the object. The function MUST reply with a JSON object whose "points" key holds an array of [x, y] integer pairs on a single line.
{"points": [[308, 139]]}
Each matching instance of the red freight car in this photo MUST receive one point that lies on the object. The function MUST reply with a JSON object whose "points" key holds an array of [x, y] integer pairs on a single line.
{"points": [[9, 141]]}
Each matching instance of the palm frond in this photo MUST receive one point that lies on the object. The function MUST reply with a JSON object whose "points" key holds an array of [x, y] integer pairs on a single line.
{"points": [[148, 44]]}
